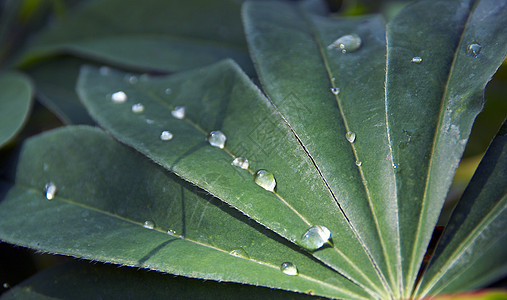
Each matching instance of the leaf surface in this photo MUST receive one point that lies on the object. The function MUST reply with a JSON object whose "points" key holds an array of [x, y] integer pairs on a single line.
{"points": [[15, 101], [221, 97], [105, 192], [160, 36], [471, 251]]}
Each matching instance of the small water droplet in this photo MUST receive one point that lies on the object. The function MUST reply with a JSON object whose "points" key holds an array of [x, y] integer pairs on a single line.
{"points": [[217, 139], [149, 224], [50, 190], [149, 121], [6, 285], [350, 136], [166, 135], [315, 237], [265, 179], [289, 268], [171, 232], [240, 252], [474, 49], [144, 77], [137, 108], [359, 163], [347, 43], [178, 112], [241, 162], [132, 79], [104, 70], [167, 91], [417, 60], [119, 97], [335, 91]]}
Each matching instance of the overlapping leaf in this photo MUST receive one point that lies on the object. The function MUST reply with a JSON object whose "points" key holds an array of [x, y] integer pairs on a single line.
{"points": [[159, 35], [104, 194]]}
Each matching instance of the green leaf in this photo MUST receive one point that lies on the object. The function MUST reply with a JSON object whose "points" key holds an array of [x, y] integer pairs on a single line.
{"points": [[162, 35], [55, 82], [477, 226], [221, 97], [410, 133], [79, 280], [15, 101], [431, 106], [104, 194]]}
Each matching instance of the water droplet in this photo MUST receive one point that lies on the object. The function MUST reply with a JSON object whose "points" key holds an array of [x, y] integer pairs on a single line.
{"points": [[335, 91], [289, 268], [474, 49], [217, 139], [178, 112], [144, 77], [149, 224], [315, 237], [240, 252], [149, 121], [359, 163], [265, 179], [119, 97], [241, 162], [417, 59], [166, 135], [132, 79], [346, 43], [171, 232], [167, 91], [350, 136], [104, 70], [50, 190], [6, 285], [137, 108]]}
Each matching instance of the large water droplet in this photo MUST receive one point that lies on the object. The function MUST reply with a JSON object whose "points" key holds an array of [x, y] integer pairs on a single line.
{"points": [[335, 91], [50, 190], [350, 136], [217, 139], [265, 179], [166, 135], [417, 59], [119, 97], [359, 163], [474, 49], [240, 252], [178, 112], [289, 268], [137, 108], [315, 237], [241, 162], [347, 43], [149, 224]]}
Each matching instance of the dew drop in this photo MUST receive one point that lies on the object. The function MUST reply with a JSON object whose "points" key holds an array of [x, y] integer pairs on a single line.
{"points": [[315, 237], [132, 79], [350, 136], [149, 121], [166, 135], [289, 268], [359, 163], [265, 179], [178, 112], [50, 190], [241, 162], [171, 232], [167, 91], [335, 91], [149, 224], [417, 59], [347, 43], [217, 139], [239, 252], [119, 97], [104, 70], [474, 49], [6, 285], [137, 108]]}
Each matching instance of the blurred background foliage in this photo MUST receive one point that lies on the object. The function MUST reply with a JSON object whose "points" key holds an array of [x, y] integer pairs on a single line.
{"points": [[22, 19]]}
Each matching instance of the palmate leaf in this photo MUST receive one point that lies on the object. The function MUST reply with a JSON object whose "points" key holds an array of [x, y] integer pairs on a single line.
{"points": [[160, 35], [410, 132], [80, 280], [221, 97], [471, 251], [99, 213], [16, 93]]}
